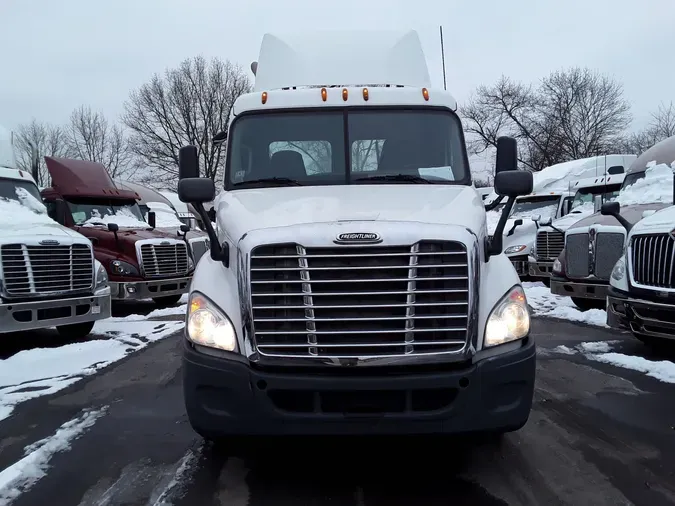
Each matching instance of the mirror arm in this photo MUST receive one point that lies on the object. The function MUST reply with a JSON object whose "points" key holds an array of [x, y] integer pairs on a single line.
{"points": [[624, 222], [494, 247], [494, 203], [218, 252]]}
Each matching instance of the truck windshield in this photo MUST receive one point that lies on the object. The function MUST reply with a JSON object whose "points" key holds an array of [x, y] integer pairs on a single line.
{"points": [[347, 147], [632, 178], [584, 196], [544, 205], [102, 211], [23, 192]]}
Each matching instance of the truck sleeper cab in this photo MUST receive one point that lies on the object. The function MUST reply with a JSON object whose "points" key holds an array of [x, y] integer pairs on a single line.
{"points": [[48, 274], [350, 287], [142, 262]]}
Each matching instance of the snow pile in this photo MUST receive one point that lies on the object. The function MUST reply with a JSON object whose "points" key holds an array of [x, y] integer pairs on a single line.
{"points": [[585, 208], [601, 351], [123, 218], [655, 187], [558, 177], [165, 215], [26, 211], [44, 371], [23, 474], [544, 303]]}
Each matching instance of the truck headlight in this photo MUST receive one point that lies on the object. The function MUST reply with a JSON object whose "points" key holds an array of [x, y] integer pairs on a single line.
{"points": [[208, 326], [509, 320], [557, 267], [120, 268], [101, 280], [618, 278], [515, 249]]}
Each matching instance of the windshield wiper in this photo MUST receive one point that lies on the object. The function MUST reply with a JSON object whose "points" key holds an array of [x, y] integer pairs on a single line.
{"points": [[404, 178], [283, 181]]}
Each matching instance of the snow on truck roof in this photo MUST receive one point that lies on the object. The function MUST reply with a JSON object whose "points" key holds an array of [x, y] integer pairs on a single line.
{"points": [[341, 58], [7, 173]]}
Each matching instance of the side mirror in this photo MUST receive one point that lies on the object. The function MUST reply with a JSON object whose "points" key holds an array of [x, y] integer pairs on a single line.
{"points": [[152, 219], [545, 222], [614, 209], [60, 211], [188, 162], [220, 138], [113, 227], [513, 183], [185, 228], [507, 156], [196, 190], [597, 203]]}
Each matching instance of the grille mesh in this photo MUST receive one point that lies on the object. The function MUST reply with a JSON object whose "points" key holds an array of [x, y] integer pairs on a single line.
{"points": [[653, 260], [360, 301], [549, 244], [164, 259]]}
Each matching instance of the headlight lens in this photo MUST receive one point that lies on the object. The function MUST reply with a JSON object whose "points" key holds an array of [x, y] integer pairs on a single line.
{"points": [[101, 276], [509, 320], [619, 270], [208, 326], [557, 267], [514, 249], [120, 268]]}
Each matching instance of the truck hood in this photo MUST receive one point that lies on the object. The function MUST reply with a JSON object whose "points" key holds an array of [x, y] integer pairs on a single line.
{"points": [[39, 229], [102, 238], [241, 211], [570, 219], [632, 213], [662, 221]]}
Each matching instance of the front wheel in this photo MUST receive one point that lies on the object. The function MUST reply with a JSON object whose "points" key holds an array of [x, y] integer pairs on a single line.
{"points": [[170, 300], [586, 304], [75, 331]]}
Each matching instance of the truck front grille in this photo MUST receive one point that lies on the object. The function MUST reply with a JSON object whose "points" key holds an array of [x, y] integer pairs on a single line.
{"points": [[549, 244], [653, 260], [164, 259], [361, 301], [43, 270], [606, 249]]}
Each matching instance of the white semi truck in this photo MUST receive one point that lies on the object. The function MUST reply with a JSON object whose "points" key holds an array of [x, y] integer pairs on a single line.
{"points": [[48, 275], [351, 287]]}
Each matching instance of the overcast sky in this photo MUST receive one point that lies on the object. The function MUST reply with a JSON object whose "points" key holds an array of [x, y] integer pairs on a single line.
{"points": [[57, 55]]}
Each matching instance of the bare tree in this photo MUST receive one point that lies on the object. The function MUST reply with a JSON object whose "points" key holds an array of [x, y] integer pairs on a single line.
{"points": [[91, 137], [571, 114], [37, 140], [187, 105]]}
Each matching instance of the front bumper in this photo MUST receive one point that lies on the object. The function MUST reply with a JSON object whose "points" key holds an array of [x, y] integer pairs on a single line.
{"points": [[565, 287], [520, 264], [644, 317], [540, 268], [137, 290], [21, 316], [229, 397]]}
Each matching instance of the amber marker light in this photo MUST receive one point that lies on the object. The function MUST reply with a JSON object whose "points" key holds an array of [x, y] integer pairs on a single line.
{"points": [[264, 97], [365, 94], [324, 94], [425, 94], [345, 94]]}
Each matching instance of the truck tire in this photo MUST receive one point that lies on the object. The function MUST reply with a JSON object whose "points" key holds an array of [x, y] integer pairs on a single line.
{"points": [[75, 331], [586, 304], [171, 300]]}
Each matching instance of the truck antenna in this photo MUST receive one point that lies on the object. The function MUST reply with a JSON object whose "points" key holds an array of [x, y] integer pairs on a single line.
{"points": [[445, 87]]}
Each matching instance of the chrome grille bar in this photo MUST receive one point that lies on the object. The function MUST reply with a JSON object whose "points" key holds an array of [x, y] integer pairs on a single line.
{"points": [[164, 259], [652, 259], [356, 301], [549, 244]]}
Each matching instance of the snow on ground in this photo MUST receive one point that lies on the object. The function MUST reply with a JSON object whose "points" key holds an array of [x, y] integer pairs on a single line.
{"points": [[601, 351], [23, 474], [157, 313], [544, 303], [44, 371]]}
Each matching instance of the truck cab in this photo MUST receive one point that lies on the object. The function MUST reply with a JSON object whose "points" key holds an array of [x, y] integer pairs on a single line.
{"points": [[351, 287], [48, 274], [590, 194], [142, 261], [594, 244]]}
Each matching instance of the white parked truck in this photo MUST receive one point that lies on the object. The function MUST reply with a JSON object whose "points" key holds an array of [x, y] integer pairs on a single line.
{"points": [[351, 287], [48, 275], [590, 194], [553, 193]]}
